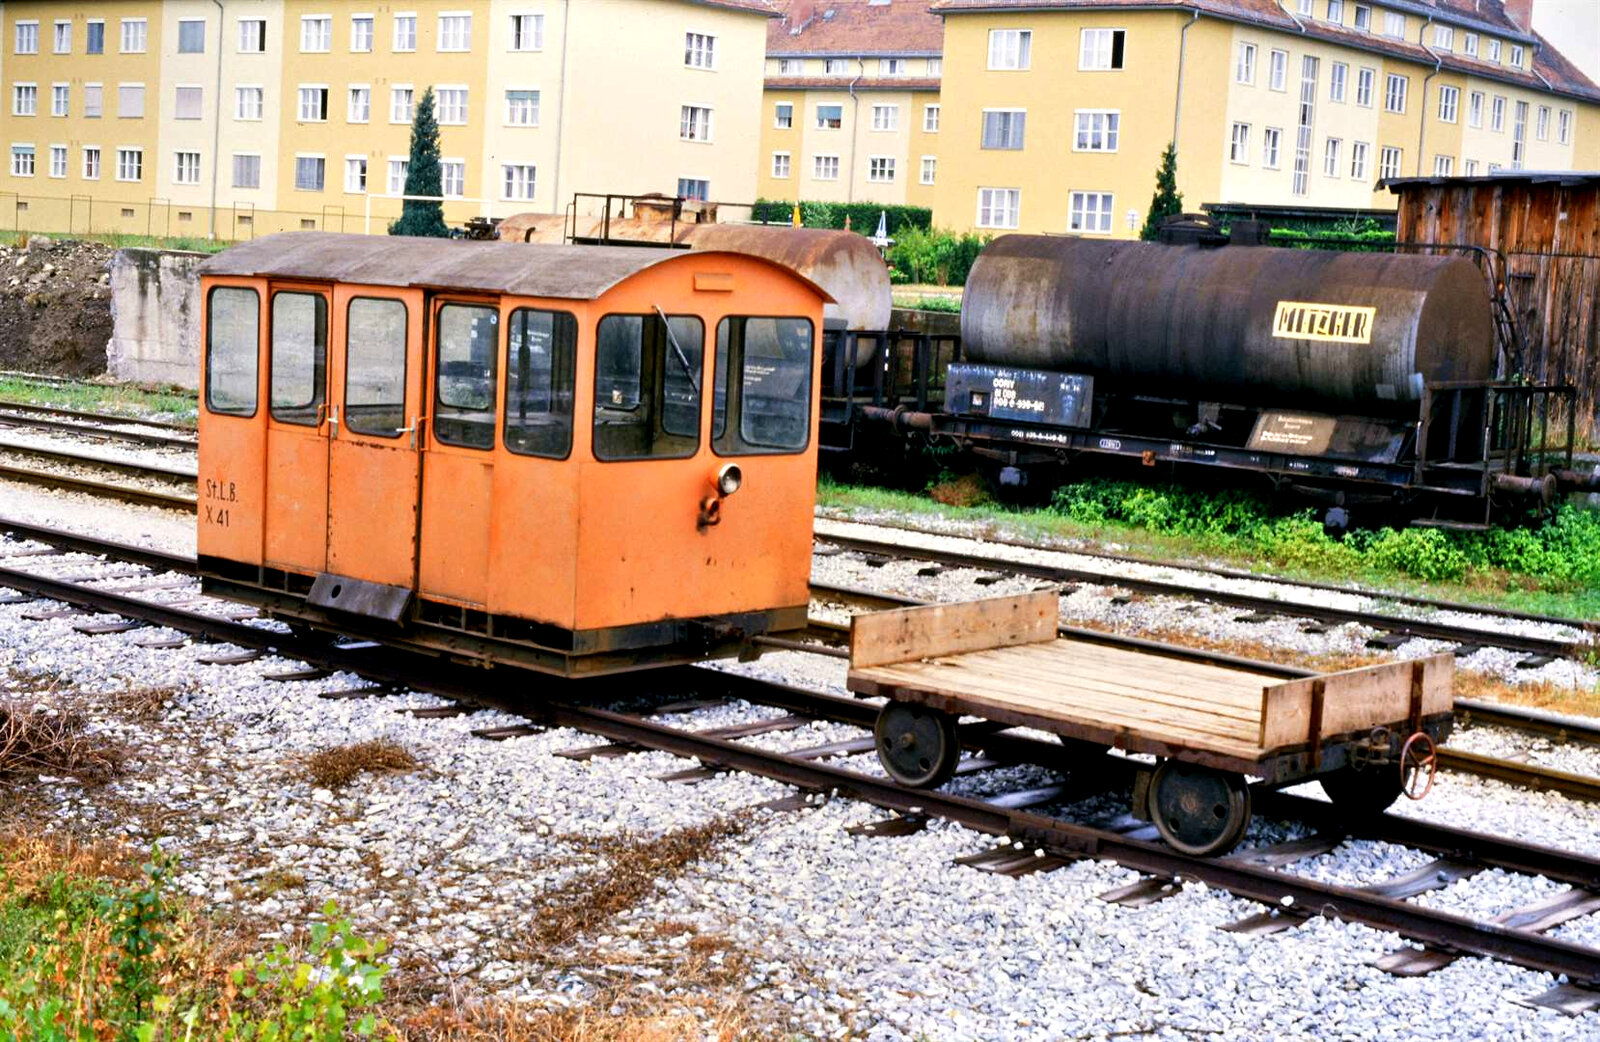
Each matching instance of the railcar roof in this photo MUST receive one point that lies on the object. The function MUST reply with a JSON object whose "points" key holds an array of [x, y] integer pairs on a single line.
{"points": [[518, 269]]}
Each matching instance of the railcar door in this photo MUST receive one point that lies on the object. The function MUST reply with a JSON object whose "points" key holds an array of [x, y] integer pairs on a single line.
{"points": [[294, 536], [374, 429]]}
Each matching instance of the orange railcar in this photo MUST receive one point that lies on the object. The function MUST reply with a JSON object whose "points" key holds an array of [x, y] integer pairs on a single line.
{"points": [[576, 459]]}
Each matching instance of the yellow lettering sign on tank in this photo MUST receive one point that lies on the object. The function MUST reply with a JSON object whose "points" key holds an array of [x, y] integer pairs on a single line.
{"points": [[1330, 323]]}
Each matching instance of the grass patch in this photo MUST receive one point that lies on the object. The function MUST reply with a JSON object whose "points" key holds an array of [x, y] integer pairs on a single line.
{"points": [[171, 405], [1553, 568], [337, 767], [35, 740], [191, 243]]}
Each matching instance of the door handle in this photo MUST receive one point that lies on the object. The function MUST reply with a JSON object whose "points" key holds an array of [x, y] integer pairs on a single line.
{"points": [[333, 422], [416, 425]]}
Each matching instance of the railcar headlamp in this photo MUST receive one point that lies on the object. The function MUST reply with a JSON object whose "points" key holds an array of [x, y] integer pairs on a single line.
{"points": [[729, 478]]}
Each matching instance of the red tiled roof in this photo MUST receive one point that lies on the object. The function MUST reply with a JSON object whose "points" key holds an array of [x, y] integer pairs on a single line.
{"points": [[917, 83], [766, 7], [854, 27], [1551, 70]]}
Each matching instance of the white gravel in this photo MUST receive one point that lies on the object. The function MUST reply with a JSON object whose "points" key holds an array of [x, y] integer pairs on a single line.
{"points": [[151, 527], [115, 451]]}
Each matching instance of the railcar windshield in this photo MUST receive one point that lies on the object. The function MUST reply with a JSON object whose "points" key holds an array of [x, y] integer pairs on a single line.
{"points": [[540, 349], [233, 331], [647, 386], [762, 382], [375, 367], [299, 362], [469, 347]]}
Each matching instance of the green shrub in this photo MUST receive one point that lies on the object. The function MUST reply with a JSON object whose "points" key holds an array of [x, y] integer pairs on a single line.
{"points": [[863, 216], [939, 258]]}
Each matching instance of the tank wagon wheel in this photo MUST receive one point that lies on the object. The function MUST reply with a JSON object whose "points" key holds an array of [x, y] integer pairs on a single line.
{"points": [[918, 746], [1198, 810], [1364, 793]]}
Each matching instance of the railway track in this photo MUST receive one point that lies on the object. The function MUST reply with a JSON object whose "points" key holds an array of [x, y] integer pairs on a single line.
{"points": [[152, 433], [1032, 840], [70, 468], [1393, 629]]}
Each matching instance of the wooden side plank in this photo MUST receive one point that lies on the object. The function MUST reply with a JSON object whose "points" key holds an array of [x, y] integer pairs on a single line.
{"points": [[1354, 700], [910, 634]]}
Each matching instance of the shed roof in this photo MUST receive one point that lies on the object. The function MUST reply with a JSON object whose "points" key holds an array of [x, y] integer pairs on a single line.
{"points": [[518, 269], [1562, 178]]}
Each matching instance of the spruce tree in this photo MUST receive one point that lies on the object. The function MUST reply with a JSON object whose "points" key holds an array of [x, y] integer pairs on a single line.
{"points": [[420, 216], [1168, 201]]}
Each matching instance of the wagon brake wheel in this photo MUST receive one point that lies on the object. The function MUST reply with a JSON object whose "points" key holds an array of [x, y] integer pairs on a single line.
{"points": [[1419, 764], [919, 747]]}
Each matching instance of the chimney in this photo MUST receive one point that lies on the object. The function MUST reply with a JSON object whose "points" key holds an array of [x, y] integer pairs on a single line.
{"points": [[800, 14], [1521, 12]]}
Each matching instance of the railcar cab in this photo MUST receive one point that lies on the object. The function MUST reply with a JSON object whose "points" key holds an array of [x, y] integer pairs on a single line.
{"points": [[575, 459]]}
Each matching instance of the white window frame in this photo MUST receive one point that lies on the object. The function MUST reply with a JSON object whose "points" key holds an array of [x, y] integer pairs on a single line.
{"points": [[17, 35], [983, 130], [1469, 168], [1395, 88], [395, 21], [130, 86], [883, 163], [1469, 47], [1244, 64], [778, 121], [1110, 135], [396, 165], [462, 46], [1332, 156], [537, 43], [1338, 82], [885, 118], [19, 151], [136, 152], [1278, 69], [931, 115], [60, 99], [260, 38], [233, 171], [308, 41], [300, 102], [58, 151], [1492, 51], [99, 91], [349, 168], [177, 166], [411, 104], [1444, 38], [1272, 148], [350, 114], [1360, 157], [821, 160], [1515, 55], [20, 91], [1385, 166], [1449, 103], [700, 51], [201, 22], [1080, 216], [295, 183], [1239, 144], [84, 166], [56, 34], [1366, 85], [787, 165], [456, 120], [1000, 42], [537, 106], [239, 95], [1563, 126], [372, 32], [1541, 123], [1497, 114], [532, 180], [1362, 19], [706, 197], [1475, 109], [688, 118], [1009, 196], [817, 116], [1090, 57], [200, 110], [1394, 25], [1444, 166], [928, 170]]}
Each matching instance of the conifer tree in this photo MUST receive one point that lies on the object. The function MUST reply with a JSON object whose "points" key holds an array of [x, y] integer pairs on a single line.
{"points": [[1168, 201], [423, 216]]}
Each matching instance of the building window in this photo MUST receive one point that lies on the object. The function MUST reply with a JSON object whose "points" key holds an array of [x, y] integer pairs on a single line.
{"points": [[1244, 64], [1338, 77], [930, 119], [1004, 128], [885, 117], [517, 180], [1239, 143], [189, 103], [455, 32], [191, 36], [24, 99], [830, 117], [91, 163], [246, 170], [699, 51], [880, 168], [694, 123], [1519, 135], [27, 38], [891, 66], [1475, 109], [1443, 166], [1394, 24], [1564, 126], [527, 34], [355, 174], [1278, 70], [1097, 131], [1365, 78], [310, 173], [783, 116], [186, 168], [1470, 168], [402, 104], [60, 99], [780, 164], [789, 66], [21, 160], [1497, 114], [359, 107], [1010, 48], [248, 102], [1516, 55], [1394, 93], [130, 164], [1449, 100], [93, 100], [453, 177], [63, 37], [1541, 125], [316, 33], [1271, 147], [999, 207], [1363, 18], [1100, 49], [313, 104], [94, 37], [252, 35], [695, 188], [1304, 7], [1389, 162], [1336, 11], [1358, 160], [835, 67], [1469, 47], [405, 32], [130, 100], [522, 108], [825, 168], [1444, 37], [452, 106], [1089, 212], [935, 66], [1330, 157], [398, 171], [361, 34], [1494, 51], [930, 168]]}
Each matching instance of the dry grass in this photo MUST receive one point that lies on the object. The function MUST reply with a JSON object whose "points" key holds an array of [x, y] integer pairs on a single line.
{"points": [[36, 739], [969, 490], [31, 858], [340, 765], [143, 703], [595, 1022]]}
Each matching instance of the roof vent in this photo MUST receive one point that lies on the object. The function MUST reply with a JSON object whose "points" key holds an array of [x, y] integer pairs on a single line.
{"points": [[827, 16]]}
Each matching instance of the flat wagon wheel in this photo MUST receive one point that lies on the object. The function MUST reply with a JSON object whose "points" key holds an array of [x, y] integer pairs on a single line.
{"points": [[1364, 793], [918, 746], [1198, 810]]}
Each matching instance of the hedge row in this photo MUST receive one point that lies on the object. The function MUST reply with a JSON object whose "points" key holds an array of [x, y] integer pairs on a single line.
{"points": [[863, 216]]}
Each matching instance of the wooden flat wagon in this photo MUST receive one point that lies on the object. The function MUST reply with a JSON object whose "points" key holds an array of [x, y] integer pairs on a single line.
{"points": [[1366, 734]]}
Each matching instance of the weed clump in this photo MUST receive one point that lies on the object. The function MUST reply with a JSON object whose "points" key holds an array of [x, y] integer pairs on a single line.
{"points": [[38, 739], [336, 767]]}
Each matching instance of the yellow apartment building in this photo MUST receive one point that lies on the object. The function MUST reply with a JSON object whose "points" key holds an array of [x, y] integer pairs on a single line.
{"points": [[251, 116], [1059, 110], [851, 110]]}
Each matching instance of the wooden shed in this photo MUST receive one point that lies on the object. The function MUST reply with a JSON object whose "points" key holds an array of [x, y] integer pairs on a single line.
{"points": [[1544, 228]]}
